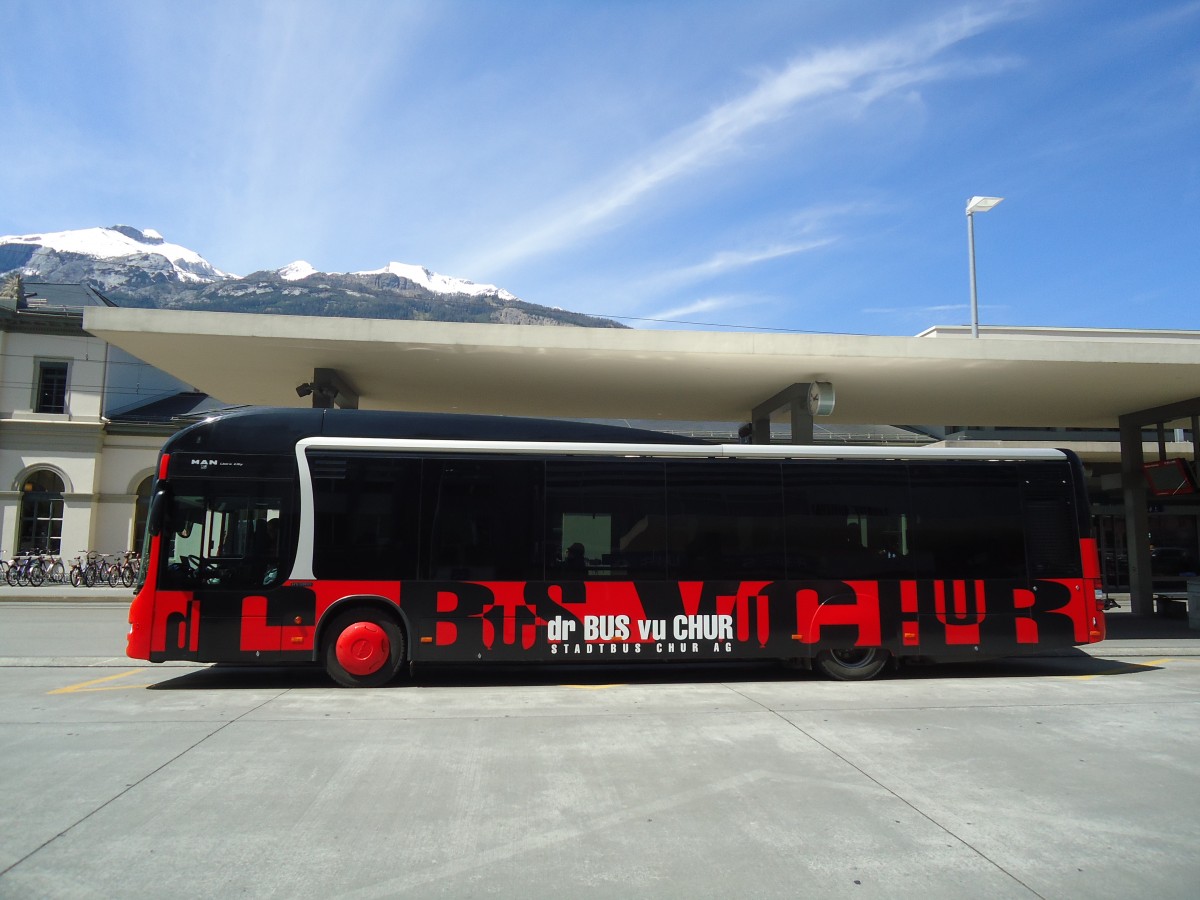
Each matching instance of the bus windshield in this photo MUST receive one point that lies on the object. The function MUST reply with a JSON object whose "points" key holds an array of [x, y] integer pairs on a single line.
{"points": [[225, 534]]}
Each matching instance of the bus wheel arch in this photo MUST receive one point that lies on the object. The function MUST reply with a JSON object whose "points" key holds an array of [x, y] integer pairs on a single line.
{"points": [[853, 663], [362, 644]]}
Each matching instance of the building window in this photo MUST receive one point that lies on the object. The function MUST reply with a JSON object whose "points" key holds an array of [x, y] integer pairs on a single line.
{"points": [[41, 513], [51, 387]]}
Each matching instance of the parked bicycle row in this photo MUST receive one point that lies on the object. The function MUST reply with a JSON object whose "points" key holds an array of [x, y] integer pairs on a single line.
{"points": [[89, 569]]}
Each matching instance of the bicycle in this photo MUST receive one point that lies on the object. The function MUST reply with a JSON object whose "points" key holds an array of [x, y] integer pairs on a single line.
{"points": [[126, 568], [26, 571], [54, 569], [95, 568], [76, 574]]}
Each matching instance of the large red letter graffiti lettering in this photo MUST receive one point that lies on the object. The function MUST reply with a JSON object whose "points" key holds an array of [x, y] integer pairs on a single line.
{"points": [[859, 608]]}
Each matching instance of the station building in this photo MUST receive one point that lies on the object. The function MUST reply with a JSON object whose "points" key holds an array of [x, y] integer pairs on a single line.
{"points": [[81, 423]]}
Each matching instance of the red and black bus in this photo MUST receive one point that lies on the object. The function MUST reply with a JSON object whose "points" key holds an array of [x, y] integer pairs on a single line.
{"points": [[370, 541]]}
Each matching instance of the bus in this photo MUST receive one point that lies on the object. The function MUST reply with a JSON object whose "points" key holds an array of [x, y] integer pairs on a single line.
{"points": [[371, 541]]}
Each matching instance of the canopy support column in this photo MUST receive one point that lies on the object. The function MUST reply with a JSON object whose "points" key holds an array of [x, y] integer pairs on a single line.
{"points": [[795, 399], [329, 389]]}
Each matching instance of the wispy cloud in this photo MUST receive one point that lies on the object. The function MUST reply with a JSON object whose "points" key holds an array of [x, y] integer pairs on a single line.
{"points": [[727, 261], [863, 72], [923, 312], [284, 111], [915, 310], [696, 307], [747, 307], [805, 231]]}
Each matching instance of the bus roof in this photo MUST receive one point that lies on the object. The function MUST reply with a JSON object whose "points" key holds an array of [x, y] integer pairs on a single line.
{"points": [[277, 430], [273, 430]]}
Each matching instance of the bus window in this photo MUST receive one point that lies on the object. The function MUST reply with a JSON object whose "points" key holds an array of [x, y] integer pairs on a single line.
{"points": [[615, 510], [725, 520], [1051, 522], [849, 521], [969, 519], [226, 535], [484, 519], [367, 509]]}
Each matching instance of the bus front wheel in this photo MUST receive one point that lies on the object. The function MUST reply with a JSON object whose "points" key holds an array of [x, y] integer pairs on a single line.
{"points": [[854, 664], [363, 649]]}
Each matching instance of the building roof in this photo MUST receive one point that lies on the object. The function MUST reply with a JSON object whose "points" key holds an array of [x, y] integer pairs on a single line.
{"points": [[47, 308], [1037, 378], [48, 295]]}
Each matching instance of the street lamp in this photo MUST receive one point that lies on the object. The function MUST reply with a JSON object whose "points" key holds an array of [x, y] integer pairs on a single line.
{"points": [[974, 205]]}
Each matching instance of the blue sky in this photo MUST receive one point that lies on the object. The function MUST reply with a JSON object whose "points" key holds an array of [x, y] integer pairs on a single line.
{"points": [[801, 164]]}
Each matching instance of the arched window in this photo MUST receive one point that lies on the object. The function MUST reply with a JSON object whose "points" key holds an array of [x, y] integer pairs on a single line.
{"points": [[41, 512], [141, 512]]}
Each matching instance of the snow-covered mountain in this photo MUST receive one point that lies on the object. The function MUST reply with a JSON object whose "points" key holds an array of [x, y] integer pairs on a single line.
{"points": [[138, 267], [296, 271], [146, 250], [439, 284], [416, 275]]}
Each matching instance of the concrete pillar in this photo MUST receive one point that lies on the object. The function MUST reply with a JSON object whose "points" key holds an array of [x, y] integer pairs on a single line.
{"points": [[795, 400], [1137, 518], [761, 430], [802, 420], [329, 389]]}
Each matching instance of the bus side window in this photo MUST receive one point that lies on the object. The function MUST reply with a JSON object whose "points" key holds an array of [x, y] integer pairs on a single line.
{"points": [[725, 520], [981, 537], [849, 521], [616, 509], [367, 508], [484, 519]]}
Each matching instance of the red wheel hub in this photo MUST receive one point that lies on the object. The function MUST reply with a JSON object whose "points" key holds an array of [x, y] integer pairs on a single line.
{"points": [[363, 648]]}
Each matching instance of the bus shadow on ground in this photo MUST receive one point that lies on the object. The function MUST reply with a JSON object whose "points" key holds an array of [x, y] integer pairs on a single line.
{"points": [[236, 677], [1068, 663]]}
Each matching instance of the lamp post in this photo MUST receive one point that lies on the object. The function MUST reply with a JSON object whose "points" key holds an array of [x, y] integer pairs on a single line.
{"points": [[974, 205]]}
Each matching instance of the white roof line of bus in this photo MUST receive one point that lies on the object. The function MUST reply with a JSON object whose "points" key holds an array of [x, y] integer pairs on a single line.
{"points": [[685, 451]]}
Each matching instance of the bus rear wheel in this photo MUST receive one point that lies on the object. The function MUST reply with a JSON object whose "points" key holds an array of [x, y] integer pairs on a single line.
{"points": [[363, 648], [853, 664]]}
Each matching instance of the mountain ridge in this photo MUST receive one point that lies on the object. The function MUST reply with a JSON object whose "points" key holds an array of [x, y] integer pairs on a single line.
{"points": [[140, 268]]}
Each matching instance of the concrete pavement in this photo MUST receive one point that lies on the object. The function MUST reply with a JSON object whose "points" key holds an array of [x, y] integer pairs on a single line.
{"points": [[1034, 778], [58, 593]]}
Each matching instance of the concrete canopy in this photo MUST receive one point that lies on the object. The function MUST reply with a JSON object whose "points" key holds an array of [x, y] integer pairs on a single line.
{"points": [[1055, 378]]}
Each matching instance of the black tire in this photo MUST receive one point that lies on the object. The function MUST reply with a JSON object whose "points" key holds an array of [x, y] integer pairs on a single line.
{"points": [[13, 576], [363, 648], [76, 576], [854, 664], [36, 575], [128, 575], [89, 576]]}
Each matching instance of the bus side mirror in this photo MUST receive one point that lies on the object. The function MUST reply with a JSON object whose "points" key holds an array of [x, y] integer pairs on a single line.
{"points": [[158, 511]]}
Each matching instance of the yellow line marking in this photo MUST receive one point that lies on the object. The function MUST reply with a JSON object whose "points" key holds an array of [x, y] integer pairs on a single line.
{"points": [[1125, 668], [85, 686], [592, 687]]}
